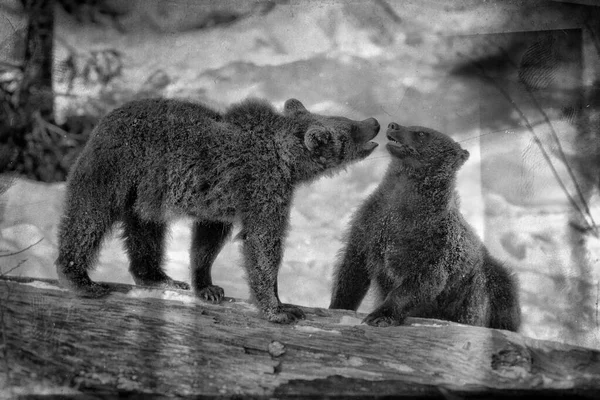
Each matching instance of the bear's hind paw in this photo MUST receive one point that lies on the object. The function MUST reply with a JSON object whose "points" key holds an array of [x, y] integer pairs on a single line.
{"points": [[381, 321], [286, 314]]}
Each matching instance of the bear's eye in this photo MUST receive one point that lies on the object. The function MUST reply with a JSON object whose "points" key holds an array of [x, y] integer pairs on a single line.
{"points": [[354, 132], [420, 136]]}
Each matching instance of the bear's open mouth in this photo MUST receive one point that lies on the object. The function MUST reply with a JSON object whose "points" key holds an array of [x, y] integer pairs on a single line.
{"points": [[369, 146], [400, 146], [396, 143], [400, 149], [366, 149]]}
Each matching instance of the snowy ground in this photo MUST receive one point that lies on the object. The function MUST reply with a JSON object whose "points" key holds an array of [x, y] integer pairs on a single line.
{"points": [[357, 61]]}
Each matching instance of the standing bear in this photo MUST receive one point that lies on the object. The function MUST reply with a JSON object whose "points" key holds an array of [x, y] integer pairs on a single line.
{"points": [[151, 160], [410, 239]]}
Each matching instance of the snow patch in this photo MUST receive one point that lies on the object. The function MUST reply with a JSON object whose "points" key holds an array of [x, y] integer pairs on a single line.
{"points": [[556, 384], [312, 329], [243, 303], [163, 294], [434, 325], [398, 367], [45, 285], [347, 320], [22, 234]]}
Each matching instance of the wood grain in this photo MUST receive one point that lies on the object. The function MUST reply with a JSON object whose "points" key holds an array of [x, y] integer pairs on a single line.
{"points": [[140, 340]]}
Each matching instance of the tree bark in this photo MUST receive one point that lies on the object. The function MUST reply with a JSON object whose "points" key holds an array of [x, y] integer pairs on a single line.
{"points": [[166, 342], [36, 88]]}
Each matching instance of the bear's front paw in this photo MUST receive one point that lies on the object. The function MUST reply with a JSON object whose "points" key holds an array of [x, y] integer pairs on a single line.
{"points": [[211, 293], [80, 283], [380, 319], [285, 314]]}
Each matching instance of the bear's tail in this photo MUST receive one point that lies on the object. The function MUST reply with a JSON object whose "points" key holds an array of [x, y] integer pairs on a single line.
{"points": [[502, 285]]}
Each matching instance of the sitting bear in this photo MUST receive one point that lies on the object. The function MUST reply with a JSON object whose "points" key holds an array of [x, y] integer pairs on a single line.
{"points": [[151, 160], [410, 239]]}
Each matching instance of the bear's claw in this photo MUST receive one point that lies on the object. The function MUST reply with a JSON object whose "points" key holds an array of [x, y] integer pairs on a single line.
{"points": [[211, 293]]}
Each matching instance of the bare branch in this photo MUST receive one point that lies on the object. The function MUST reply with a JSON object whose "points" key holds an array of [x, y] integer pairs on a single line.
{"points": [[22, 250], [389, 11], [535, 137], [9, 22], [14, 268], [48, 126], [588, 212]]}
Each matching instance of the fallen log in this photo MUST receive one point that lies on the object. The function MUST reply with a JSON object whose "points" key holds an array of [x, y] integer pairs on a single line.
{"points": [[166, 342]]}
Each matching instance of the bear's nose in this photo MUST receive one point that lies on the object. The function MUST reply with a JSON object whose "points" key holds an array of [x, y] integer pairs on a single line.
{"points": [[394, 126]]}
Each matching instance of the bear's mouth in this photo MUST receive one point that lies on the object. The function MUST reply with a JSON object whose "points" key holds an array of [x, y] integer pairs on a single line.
{"points": [[369, 146], [399, 149]]}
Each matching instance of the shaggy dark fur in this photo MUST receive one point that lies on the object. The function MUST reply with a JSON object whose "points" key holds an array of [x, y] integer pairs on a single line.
{"points": [[152, 160], [410, 239]]}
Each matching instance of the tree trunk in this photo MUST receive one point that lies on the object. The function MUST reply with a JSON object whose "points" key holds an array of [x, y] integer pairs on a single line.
{"points": [[167, 342], [36, 88]]}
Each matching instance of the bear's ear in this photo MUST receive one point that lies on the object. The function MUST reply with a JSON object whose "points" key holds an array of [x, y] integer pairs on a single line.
{"points": [[463, 156], [293, 106], [316, 138]]}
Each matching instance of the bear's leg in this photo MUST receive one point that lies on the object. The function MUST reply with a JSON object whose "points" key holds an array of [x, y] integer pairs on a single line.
{"points": [[351, 280], [208, 238], [263, 252], [144, 243], [80, 235], [405, 290], [503, 292], [475, 306]]}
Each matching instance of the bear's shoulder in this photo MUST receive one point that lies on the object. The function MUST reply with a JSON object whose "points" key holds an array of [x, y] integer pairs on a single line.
{"points": [[251, 111]]}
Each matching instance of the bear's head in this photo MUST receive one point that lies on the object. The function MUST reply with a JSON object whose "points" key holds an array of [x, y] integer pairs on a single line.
{"points": [[331, 140], [424, 150]]}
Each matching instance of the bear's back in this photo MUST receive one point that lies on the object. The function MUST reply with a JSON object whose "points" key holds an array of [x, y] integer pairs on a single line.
{"points": [[144, 137], [156, 121]]}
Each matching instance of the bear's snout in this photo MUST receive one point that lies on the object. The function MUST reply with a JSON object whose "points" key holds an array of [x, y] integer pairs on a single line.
{"points": [[373, 123], [367, 130], [396, 132]]}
